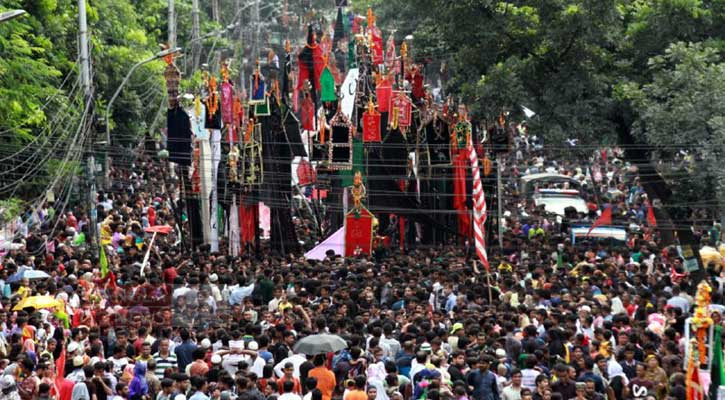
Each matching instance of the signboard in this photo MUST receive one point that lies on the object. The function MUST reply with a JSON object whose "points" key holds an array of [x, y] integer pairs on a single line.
{"points": [[688, 254], [580, 233]]}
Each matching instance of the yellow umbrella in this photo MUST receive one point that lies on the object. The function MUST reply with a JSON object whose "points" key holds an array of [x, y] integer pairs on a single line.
{"points": [[37, 302], [711, 255]]}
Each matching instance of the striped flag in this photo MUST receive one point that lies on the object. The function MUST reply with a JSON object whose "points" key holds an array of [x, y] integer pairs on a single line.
{"points": [[479, 209]]}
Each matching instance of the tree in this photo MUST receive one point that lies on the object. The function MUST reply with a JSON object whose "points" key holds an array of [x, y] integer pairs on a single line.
{"points": [[682, 109]]}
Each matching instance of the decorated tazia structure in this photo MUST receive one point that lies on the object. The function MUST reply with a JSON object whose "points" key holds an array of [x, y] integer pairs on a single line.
{"points": [[343, 111]]}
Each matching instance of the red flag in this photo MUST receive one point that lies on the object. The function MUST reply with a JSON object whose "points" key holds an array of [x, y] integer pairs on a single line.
{"points": [[459, 194], [604, 219], [651, 220]]}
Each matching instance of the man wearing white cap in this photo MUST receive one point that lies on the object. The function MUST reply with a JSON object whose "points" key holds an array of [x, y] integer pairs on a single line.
{"points": [[77, 375], [256, 363], [231, 359], [215, 292]]}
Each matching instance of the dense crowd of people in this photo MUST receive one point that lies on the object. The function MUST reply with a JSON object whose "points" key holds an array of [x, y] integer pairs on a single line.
{"points": [[553, 320]]}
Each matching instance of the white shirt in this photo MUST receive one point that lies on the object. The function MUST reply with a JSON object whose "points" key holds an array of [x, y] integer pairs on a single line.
{"points": [[528, 378], [229, 363], [273, 305], [511, 393], [256, 365], [289, 396]]}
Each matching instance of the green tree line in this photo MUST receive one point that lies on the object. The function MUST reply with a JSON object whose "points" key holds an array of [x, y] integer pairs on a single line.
{"points": [[647, 74]]}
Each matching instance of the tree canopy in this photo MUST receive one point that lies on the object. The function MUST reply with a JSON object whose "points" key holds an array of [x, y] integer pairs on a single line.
{"points": [[641, 73]]}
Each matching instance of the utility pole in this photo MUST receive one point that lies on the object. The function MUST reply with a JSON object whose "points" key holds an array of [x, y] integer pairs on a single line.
{"points": [[195, 32], [215, 10], [172, 25], [85, 61], [216, 66], [255, 37], [83, 50]]}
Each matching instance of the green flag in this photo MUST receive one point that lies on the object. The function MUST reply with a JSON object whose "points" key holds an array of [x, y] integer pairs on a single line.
{"points": [[103, 261], [717, 374]]}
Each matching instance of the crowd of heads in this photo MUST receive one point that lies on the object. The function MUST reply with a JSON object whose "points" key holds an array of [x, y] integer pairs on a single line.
{"points": [[552, 319]]}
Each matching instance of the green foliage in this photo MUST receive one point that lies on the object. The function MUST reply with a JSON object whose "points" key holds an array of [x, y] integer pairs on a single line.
{"points": [[597, 70], [683, 108], [27, 78], [10, 209]]}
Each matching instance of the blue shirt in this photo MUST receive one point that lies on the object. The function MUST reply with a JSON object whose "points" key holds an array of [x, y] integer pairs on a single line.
{"points": [[184, 353], [484, 385], [198, 395], [451, 302]]}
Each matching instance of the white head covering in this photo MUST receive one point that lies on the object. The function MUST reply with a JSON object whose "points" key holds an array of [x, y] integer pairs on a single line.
{"points": [[618, 306], [614, 369]]}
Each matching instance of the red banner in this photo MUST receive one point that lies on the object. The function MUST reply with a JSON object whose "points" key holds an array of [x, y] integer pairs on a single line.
{"points": [[227, 103], [307, 115], [306, 175], [358, 232], [402, 102], [383, 91], [371, 126], [377, 50]]}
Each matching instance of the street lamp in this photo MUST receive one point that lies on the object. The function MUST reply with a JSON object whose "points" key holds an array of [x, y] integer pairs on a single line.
{"points": [[156, 56], [8, 15]]}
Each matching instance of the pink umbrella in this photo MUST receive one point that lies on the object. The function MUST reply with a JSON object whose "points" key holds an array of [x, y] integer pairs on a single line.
{"points": [[162, 229], [156, 229]]}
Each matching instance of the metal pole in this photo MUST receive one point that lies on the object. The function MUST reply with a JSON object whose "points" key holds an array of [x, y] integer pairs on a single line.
{"points": [[83, 51], [158, 55], [8, 15], [172, 25], [255, 38], [499, 203], [93, 211], [115, 95], [195, 32]]}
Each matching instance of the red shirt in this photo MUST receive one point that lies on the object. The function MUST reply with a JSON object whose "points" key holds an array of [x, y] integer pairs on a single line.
{"points": [[170, 274]]}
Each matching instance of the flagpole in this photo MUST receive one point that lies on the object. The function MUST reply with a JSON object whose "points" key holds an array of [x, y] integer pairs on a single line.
{"points": [[488, 283], [148, 253]]}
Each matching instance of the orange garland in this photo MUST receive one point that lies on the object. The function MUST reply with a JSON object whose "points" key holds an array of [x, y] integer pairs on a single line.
{"points": [[212, 101], [701, 321]]}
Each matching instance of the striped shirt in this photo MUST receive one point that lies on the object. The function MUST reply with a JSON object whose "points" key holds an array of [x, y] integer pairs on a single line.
{"points": [[164, 362]]}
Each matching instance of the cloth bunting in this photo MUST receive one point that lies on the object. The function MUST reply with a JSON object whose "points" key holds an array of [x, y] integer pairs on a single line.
{"points": [[390, 56], [227, 103], [307, 114], [459, 193], [339, 27], [310, 63], [248, 217], [383, 93], [692, 383], [178, 130], [327, 83], [377, 50], [651, 220]]}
